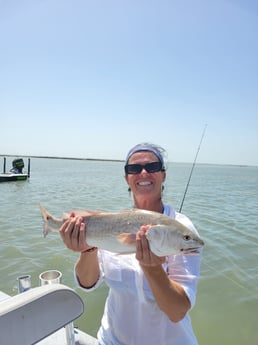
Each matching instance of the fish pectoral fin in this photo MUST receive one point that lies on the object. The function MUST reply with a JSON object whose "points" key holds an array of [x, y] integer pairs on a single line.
{"points": [[127, 238]]}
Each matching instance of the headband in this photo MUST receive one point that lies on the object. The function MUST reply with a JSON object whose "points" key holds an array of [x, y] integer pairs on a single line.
{"points": [[145, 147]]}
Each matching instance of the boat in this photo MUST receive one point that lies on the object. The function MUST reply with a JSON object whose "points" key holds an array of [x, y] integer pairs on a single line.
{"points": [[43, 315], [16, 173]]}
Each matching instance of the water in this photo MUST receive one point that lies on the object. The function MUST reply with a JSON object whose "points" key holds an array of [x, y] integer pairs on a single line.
{"points": [[222, 201]]}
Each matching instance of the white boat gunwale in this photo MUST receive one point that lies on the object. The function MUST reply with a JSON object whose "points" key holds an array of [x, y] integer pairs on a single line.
{"points": [[39, 315]]}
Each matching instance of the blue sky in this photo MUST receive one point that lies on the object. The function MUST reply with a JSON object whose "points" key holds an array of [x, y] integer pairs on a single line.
{"points": [[90, 79]]}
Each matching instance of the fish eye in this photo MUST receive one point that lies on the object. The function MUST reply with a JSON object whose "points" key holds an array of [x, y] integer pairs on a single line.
{"points": [[187, 237]]}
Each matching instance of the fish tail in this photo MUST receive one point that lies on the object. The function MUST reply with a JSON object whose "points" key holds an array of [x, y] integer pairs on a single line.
{"points": [[46, 216]]}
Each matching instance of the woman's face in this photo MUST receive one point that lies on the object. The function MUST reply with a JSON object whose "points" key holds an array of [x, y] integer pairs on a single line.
{"points": [[144, 183]]}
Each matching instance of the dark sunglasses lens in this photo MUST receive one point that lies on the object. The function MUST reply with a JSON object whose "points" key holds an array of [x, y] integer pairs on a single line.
{"points": [[137, 168], [133, 168], [153, 167]]}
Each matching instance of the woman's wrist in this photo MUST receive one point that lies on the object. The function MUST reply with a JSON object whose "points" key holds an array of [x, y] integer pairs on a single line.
{"points": [[89, 250]]}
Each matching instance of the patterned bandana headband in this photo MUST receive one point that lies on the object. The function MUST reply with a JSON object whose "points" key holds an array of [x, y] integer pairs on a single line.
{"points": [[145, 147]]}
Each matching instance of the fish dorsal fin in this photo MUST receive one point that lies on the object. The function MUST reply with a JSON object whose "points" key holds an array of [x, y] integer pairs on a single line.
{"points": [[82, 213], [127, 238]]}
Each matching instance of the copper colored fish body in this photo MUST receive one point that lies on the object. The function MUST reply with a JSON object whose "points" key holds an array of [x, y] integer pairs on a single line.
{"points": [[116, 232]]}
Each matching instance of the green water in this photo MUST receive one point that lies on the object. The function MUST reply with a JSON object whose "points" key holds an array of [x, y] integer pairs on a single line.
{"points": [[222, 201]]}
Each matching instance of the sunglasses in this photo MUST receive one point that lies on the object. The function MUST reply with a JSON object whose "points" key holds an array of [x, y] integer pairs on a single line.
{"points": [[149, 167]]}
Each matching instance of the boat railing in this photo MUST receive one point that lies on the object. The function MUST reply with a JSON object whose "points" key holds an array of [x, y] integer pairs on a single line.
{"points": [[33, 315]]}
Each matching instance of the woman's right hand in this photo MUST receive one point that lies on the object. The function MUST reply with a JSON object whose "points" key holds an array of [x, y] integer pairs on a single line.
{"points": [[73, 233]]}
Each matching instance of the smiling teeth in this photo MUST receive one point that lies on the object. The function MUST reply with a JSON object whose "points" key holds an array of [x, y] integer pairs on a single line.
{"points": [[144, 183]]}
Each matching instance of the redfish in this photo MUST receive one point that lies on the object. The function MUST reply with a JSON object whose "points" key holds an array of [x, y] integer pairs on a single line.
{"points": [[116, 232]]}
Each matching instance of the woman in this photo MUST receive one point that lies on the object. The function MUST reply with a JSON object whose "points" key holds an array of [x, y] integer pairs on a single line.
{"points": [[149, 296]]}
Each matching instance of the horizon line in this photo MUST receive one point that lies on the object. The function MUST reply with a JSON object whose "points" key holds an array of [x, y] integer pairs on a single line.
{"points": [[117, 160]]}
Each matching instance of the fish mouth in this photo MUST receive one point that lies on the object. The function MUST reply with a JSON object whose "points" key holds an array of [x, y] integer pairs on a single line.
{"points": [[193, 251]]}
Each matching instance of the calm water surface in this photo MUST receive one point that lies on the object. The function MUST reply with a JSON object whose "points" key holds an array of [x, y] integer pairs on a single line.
{"points": [[222, 202]]}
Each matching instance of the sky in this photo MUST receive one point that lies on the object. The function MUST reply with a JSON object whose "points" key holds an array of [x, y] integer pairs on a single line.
{"points": [[90, 79]]}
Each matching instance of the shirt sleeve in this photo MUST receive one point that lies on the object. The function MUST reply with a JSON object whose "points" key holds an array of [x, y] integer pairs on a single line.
{"points": [[185, 269]]}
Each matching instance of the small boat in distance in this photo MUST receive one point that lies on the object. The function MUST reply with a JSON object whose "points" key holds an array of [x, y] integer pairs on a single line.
{"points": [[16, 173]]}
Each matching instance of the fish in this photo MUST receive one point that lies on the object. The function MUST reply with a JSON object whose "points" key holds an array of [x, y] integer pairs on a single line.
{"points": [[116, 232]]}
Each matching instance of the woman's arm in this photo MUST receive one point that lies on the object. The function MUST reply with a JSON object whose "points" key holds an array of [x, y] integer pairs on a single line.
{"points": [[169, 295], [73, 233], [87, 269]]}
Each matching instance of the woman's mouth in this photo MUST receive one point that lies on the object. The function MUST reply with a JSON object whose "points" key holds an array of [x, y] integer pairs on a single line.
{"points": [[144, 183]]}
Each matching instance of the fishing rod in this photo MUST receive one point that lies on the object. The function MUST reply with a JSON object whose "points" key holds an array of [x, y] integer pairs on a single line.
{"points": [[190, 176]]}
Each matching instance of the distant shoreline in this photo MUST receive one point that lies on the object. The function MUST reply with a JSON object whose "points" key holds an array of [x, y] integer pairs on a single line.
{"points": [[68, 158], [120, 160]]}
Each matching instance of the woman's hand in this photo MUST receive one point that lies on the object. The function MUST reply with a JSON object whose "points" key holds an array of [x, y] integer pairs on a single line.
{"points": [[143, 253], [73, 233]]}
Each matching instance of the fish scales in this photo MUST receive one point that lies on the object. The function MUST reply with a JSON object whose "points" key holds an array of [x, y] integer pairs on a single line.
{"points": [[127, 221], [116, 232]]}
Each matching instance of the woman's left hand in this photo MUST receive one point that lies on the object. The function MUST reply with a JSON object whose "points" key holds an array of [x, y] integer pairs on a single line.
{"points": [[143, 253]]}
